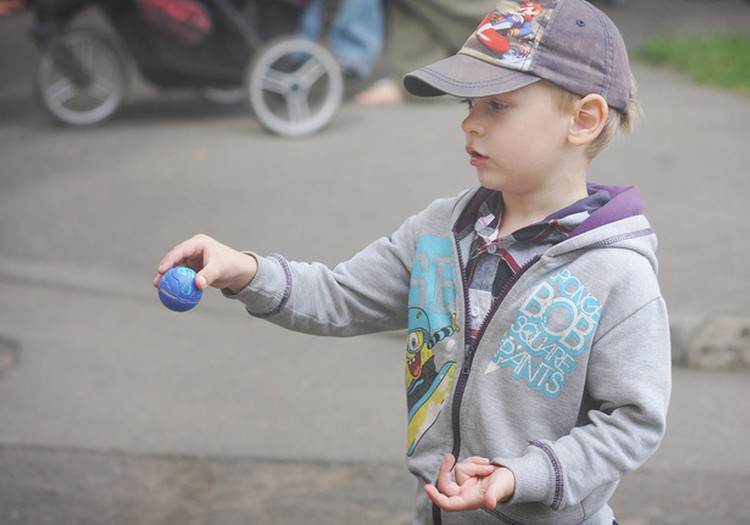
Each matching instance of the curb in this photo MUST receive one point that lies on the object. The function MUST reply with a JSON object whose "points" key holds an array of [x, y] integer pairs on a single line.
{"points": [[711, 342]]}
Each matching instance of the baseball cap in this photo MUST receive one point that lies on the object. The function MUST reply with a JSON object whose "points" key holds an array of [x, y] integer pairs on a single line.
{"points": [[567, 42]]}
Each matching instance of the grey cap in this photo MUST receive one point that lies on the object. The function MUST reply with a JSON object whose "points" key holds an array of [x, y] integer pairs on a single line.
{"points": [[567, 42]]}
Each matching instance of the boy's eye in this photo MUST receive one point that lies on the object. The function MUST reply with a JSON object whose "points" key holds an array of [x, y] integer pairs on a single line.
{"points": [[497, 106], [492, 105]]}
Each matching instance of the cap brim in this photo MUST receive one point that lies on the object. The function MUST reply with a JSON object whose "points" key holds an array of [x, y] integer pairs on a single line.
{"points": [[465, 76]]}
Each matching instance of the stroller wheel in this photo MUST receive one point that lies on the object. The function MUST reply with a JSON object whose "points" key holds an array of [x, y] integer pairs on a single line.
{"points": [[295, 86], [81, 78]]}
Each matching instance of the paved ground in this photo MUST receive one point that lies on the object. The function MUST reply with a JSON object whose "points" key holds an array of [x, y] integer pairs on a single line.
{"points": [[114, 411], [699, 476]]}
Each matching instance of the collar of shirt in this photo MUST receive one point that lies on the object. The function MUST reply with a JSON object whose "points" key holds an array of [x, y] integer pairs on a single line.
{"points": [[551, 230], [493, 260]]}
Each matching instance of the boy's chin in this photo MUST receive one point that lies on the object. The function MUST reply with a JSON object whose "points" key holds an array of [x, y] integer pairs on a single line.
{"points": [[489, 182]]}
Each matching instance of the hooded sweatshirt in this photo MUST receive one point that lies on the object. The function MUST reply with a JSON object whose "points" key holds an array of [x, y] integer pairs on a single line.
{"points": [[567, 383]]}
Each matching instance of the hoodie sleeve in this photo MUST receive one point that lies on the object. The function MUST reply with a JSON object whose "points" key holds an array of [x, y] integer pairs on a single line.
{"points": [[365, 294], [629, 383]]}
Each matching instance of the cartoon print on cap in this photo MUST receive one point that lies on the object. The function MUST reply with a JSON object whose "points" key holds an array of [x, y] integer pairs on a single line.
{"points": [[511, 33]]}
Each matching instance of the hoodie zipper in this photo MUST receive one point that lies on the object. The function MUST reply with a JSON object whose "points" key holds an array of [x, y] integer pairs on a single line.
{"points": [[470, 346], [469, 350]]}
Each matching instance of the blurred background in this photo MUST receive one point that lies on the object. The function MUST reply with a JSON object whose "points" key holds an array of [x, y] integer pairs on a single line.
{"points": [[114, 410]]}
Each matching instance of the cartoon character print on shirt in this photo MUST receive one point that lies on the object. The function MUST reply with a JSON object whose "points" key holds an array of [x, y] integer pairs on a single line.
{"points": [[553, 327], [432, 322]]}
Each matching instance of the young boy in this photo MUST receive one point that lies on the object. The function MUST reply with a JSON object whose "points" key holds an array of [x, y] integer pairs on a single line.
{"points": [[538, 359]]}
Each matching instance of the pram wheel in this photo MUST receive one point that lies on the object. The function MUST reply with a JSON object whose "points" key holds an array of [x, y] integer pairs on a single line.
{"points": [[295, 86], [81, 77]]}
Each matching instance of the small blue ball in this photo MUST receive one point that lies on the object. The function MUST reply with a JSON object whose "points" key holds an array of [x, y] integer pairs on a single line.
{"points": [[177, 289]]}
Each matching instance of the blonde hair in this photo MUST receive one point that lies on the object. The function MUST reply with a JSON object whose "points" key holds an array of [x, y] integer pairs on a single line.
{"points": [[617, 121]]}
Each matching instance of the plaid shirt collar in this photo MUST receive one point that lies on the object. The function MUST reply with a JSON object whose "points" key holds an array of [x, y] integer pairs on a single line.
{"points": [[551, 230]]}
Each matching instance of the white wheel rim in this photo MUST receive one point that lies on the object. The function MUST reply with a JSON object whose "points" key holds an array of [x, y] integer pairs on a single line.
{"points": [[81, 105], [295, 87]]}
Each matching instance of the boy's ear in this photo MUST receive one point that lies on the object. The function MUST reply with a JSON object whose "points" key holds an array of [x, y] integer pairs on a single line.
{"points": [[589, 117]]}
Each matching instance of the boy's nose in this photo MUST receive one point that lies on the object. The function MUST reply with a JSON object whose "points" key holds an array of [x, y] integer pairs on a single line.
{"points": [[471, 125]]}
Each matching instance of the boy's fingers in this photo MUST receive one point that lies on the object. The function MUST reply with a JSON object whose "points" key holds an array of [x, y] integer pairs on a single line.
{"points": [[169, 261], [187, 253], [201, 282], [437, 497], [177, 255], [441, 499], [492, 496], [450, 504], [447, 464], [205, 277], [466, 471], [471, 467], [444, 473], [500, 488], [478, 460]]}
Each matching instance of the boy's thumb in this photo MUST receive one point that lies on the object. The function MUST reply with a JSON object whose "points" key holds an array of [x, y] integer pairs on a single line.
{"points": [[201, 282]]}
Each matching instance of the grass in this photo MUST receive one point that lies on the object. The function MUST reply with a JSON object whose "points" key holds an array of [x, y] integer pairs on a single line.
{"points": [[722, 60]]}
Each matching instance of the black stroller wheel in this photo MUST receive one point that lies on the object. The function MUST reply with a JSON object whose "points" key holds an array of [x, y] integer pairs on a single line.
{"points": [[295, 86], [81, 78]]}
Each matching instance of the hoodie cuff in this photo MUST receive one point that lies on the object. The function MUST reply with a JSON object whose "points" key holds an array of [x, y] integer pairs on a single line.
{"points": [[538, 475], [268, 292]]}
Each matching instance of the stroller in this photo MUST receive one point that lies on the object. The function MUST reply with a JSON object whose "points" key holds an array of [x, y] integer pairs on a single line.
{"points": [[228, 51]]}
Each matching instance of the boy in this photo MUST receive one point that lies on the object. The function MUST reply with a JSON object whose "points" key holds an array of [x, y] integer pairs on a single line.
{"points": [[538, 360]]}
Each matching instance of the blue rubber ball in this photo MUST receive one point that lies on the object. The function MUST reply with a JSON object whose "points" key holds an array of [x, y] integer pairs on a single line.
{"points": [[177, 289]]}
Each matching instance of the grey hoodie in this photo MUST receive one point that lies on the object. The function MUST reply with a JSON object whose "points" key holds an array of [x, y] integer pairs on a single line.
{"points": [[568, 383]]}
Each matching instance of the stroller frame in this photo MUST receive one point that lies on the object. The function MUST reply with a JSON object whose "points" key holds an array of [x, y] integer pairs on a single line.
{"points": [[249, 53]]}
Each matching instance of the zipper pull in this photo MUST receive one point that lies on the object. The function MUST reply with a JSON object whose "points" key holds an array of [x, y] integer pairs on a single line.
{"points": [[468, 357]]}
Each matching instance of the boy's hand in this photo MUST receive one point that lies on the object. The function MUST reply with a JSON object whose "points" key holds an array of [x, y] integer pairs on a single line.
{"points": [[478, 483], [216, 264]]}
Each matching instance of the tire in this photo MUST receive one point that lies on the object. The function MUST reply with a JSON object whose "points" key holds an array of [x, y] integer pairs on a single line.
{"points": [[82, 104], [295, 86]]}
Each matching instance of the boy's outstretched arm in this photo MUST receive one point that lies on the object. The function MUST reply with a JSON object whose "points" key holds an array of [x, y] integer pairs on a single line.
{"points": [[216, 264], [478, 483]]}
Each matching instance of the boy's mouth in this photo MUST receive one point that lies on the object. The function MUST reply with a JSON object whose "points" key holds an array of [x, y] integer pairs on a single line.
{"points": [[475, 158], [415, 365]]}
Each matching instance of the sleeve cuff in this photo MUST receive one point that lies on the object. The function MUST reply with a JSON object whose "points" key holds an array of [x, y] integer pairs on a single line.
{"points": [[268, 292], [538, 475]]}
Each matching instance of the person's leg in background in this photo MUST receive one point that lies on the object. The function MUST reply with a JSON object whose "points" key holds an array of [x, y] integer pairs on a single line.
{"points": [[421, 32], [355, 34]]}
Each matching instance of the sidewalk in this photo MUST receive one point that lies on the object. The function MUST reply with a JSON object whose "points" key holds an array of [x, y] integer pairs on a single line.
{"points": [[717, 339], [700, 476]]}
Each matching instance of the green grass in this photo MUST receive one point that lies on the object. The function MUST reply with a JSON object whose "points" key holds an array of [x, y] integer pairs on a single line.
{"points": [[722, 59]]}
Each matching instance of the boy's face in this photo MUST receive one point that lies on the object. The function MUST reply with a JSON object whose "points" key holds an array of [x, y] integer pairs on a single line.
{"points": [[518, 141]]}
